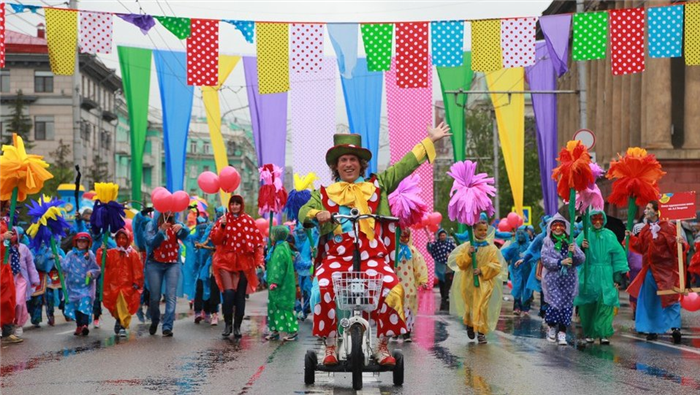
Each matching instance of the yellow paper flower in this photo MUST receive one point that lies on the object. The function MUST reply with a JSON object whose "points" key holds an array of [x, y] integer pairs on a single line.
{"points": [[51, 213], [20, 170], [306, 182], [106, 191]]}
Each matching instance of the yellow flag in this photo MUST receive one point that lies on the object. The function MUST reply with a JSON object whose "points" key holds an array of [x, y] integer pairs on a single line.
{"points": [[62, 39], [210, 95], [692, 34], [486, 45], [273, 57], [510, 117]]}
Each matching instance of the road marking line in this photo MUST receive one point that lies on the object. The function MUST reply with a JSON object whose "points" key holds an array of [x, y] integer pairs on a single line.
{"points": [[66, 332], [664, 344]]}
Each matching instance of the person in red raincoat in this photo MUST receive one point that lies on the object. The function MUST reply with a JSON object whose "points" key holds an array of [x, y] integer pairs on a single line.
{"points": [[123, 282], [7, 283]]}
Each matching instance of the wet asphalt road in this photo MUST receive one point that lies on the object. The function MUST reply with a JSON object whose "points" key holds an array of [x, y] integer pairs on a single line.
{"points": [[441, 360]]}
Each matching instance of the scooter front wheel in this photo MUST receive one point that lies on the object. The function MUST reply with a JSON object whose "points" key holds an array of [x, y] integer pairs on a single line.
{"points": [[310, 363], [357, 357]]}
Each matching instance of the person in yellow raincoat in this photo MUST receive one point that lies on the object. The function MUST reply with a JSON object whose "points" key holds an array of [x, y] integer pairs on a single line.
{"points": [[413, 274], [480, 306]]}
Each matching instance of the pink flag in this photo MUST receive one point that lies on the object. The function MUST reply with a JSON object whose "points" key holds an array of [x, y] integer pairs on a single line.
{"points": [[2, 35], [307, 47], [518, 42], [203, 53], [95, 32], [627, 35], [412, 55]]}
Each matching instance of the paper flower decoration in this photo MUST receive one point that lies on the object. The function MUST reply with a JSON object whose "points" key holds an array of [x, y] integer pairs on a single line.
{"points": [[20, 170], [108, 214], [272, 196], [636, 175], [405, 202], [574, 169], [471, 193], [591, 196], [300, 195], [47, 221]]}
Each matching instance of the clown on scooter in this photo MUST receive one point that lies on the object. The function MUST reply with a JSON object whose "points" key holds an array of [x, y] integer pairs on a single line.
{"points": [[348, 162]]}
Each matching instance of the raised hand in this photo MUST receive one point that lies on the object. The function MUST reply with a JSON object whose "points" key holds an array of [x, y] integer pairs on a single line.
{"points": [[440, 131]]}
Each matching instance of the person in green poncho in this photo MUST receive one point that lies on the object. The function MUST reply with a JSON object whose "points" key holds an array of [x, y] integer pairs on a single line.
{"points": [[282, 294], [599, 279]]}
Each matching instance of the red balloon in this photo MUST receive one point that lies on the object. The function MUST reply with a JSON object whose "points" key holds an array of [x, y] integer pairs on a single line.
{"points": [[157, 190], [208, 182], [180, 201], [229, 179], [503, 225], [127, 225], [433, 227], [262, 224], [163, 201], [514, 220], [691, 302], [435, 218]]}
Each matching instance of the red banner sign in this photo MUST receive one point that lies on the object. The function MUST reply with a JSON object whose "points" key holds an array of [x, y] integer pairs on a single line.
{"points": [[677, 206]]}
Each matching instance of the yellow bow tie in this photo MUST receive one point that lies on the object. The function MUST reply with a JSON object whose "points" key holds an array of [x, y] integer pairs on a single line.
{"points": [[355, 196]]}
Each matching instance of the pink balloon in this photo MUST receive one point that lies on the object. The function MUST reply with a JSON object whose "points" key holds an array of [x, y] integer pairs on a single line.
{"points": [[503, 225], [163, 201], [208, 182], [691, 302], [157, 190], [514, 220], [180, 201], [127, 225], [274, 221], [229, 179], [435, 218], [262, 224]]}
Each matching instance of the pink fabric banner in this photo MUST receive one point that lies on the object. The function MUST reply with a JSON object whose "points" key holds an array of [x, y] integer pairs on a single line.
{"points": [[410, 111], [312, 102], [306, 48], [95, 32]]}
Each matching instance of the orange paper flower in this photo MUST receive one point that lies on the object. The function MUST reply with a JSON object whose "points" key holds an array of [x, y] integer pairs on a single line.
{"points": [[17, 169], [635, 174], [574, 169]]}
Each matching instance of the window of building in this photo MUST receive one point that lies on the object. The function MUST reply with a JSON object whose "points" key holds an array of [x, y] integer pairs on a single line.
{"points": [[148, 176], [105, 139], [43, 127], [147, 147], [193, 147], [232, 147], [4, 80], [43, 81], [206, 168], [205, 148]]}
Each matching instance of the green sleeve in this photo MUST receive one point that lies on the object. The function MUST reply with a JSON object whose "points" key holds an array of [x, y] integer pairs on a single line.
{"points": [[618, 255], [277, 267], [390, 178], [314, 204]]}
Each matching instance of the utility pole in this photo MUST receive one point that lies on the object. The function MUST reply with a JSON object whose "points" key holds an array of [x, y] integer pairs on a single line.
{"points": [[496, 159], [77, 138]]}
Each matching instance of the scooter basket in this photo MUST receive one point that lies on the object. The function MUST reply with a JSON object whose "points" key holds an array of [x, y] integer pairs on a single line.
{"points": [[357, 290]]}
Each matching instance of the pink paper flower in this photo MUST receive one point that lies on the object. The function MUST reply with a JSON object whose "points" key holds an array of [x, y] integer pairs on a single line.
{"points": [[406, 203], [589, 197], [470, 194]]}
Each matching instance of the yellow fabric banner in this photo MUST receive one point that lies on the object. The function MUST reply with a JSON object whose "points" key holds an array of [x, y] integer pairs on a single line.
{"points": [[487, 54], [273, 57], [62, 39], [692, 34], [210, 95], [510, 117]]}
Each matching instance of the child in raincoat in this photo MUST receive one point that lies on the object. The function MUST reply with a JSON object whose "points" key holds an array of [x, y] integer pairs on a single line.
{"points": [[282, 294], [81, 271], [519, 270], [25, 275], [303, 261], [559, 278], [123, 281], [413, 274], [51, 292]]}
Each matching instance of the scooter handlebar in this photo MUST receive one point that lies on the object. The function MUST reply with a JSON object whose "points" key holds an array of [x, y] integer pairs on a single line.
{"points": [[356, 216]]}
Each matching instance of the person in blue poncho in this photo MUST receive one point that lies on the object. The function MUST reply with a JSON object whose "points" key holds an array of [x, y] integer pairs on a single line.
{"points": [[519, 272], [207, 296], [81, 272], [51, 292], [303, 262], [532, 257]]}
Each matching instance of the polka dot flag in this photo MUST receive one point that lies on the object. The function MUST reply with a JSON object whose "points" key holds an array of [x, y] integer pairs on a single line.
{"points": [[590, 35], [447, 40], [95, 32], [307, 47], [518, 42], [665, 31], [61, 39], [247, 28], [487, 54], [180, 27], [412, 55], [273, 57], [377, 40], [2, 35], [627, 40], [203, 53], [692, 34]]}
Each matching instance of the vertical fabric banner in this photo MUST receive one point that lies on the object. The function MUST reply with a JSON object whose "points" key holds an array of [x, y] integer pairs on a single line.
{"points": [[692, 34], [452, 79], [61, 39], [363, 103], [344, 40], [312, 105], [96, 32], [555, 29], [627, 36], [377, 39], [409, 112], [447, 39], [487, 54], [273, 58], [518, 41], [210, 96], [176, 100], [590, 35], [412, 55], [135, 65], [268, 115], [2, 35], [510, 117], [203, 53], [665, 31], [542, 76], [307, 47]]}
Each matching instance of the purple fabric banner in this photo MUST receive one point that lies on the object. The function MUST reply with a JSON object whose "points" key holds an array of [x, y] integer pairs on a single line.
{"points": [[542, 76], [268, 115], [312, 106], [555, 29]]}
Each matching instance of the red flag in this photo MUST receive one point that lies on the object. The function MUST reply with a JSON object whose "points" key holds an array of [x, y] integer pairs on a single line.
{"points": [[203, 53], [627, 35], [412, 55]]}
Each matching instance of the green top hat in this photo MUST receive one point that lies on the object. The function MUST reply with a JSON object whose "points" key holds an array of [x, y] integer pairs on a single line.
{"points": [[345, 144]]}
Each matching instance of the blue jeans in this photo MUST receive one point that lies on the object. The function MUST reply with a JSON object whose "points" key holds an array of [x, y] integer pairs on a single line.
{"points": [[157, 272]]}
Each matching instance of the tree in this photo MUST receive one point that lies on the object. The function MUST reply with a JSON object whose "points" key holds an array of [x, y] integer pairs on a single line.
{"points": [[61, 168], [98, 172], [18, 122]]}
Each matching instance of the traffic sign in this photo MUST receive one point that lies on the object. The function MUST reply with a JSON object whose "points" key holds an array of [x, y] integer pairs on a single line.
{"points": [[586, 137]]}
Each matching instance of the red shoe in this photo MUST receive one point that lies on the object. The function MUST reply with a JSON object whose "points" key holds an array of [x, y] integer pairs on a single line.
{"points": [[331, 357], [383, 356], [78, 331]]}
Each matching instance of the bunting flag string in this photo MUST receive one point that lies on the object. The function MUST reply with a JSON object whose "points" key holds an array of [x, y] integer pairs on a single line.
{"points": [[61, 39], [2, 35], [518, 42], [627, 36], [344, 39], [247, 28], [447, 41], [555, 29], [665, 31], [590, 35], [692, 34], [412, 55], [487, 54], [273, 58], [307, 47], [96, 32], [143, 22], [377, 39], [180, 27], [203, 53]]}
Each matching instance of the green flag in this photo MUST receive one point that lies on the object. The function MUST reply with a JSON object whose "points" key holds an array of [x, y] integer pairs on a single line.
{"points": [[135, 65], [590, 35], [452, 79], [377, 39], [180, 27]]}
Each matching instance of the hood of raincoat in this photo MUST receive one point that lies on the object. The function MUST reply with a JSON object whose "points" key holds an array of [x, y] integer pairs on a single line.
{"points": [[544, 221], [82, 235], [596, 212], [279, 233], [558, 218], [128, 235]]}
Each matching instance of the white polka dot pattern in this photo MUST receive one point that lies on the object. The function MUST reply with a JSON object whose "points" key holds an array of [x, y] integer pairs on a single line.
{"points": [[306, 47], [518, 41], [447, 41], [412, 64], [203, 53], [665, 31], [627, 36]]}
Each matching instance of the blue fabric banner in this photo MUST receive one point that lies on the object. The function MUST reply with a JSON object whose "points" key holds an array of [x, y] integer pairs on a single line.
{"points": [[447, 41], [344, 40], [665, 31], [363, 102], [176, 100]]}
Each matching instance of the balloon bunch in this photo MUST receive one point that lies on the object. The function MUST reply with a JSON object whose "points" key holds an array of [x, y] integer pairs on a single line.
{"points": [[430, 221], [227, 181], [263, 225], [164, 201], [512, 222]]}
